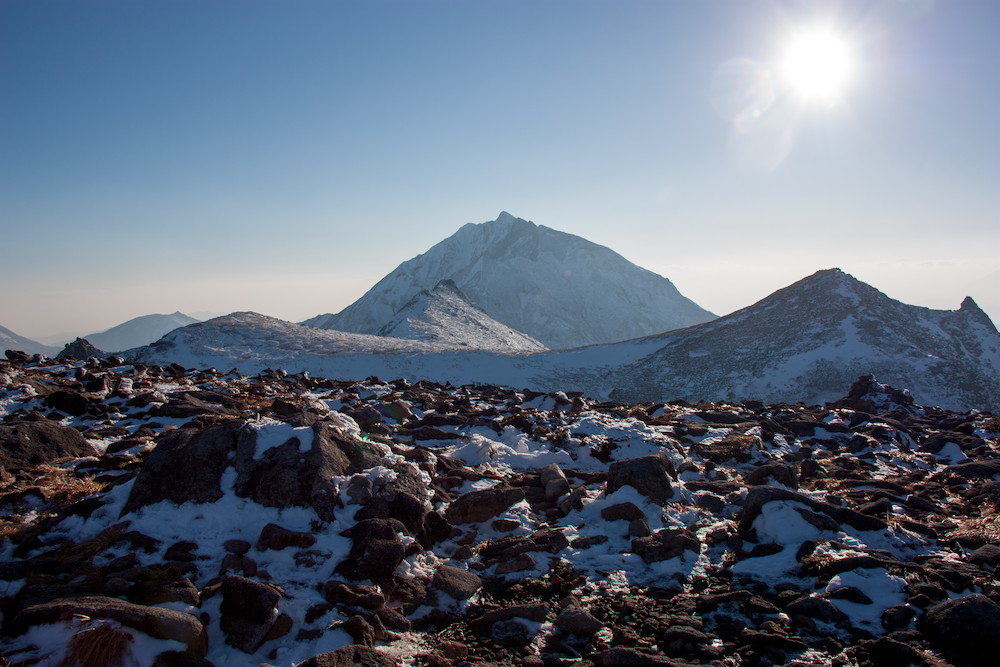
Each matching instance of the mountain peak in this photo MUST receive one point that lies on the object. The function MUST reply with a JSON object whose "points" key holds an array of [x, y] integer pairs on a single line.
{"points": [[555, 287], [972, 308]]}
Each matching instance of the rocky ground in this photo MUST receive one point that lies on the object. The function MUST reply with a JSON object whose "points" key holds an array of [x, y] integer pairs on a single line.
{"points": [[176, 517]]}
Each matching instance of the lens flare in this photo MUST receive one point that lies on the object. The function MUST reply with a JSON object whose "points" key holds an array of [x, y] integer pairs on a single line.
{"points": [[817, 65]]}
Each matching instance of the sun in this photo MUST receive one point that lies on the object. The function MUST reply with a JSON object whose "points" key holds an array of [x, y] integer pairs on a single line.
{"points": [[817, 65]]}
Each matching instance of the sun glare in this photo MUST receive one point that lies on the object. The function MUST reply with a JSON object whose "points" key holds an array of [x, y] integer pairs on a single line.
{"points": [[818, 65]]}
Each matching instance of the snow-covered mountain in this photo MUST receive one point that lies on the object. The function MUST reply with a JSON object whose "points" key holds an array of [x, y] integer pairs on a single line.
{"points": [[445, 315], [807, 342], [559, 288], [11, 341], [138, 331]]}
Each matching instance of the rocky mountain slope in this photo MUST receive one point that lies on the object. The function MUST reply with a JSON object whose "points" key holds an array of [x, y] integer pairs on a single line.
{"points": [[807, 340], [167, 516], [445, 315], [558, 288], [11, 341], [138, 331]]}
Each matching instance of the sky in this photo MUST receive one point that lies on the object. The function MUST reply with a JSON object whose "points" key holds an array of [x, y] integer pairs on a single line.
{"points": [[283, 156]]}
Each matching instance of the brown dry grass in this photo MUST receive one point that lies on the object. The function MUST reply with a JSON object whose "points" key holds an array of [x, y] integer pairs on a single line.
{"points": [[102, 646]]}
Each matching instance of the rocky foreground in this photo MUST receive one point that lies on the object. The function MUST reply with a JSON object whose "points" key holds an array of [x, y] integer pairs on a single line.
{"points": [[176, 517]]}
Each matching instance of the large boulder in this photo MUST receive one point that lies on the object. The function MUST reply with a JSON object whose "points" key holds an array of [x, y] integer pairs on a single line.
{"points": [[649, 475], [351, 656], [247, 611], [758, 496], [404, 498], [456, 582], [284, 475], [186, 466], [967, 629], [29, 443], [154, 621], [375, 550], [482, 505]]}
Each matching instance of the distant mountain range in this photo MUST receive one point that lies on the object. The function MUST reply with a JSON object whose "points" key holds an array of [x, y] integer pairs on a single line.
{"points": [[555, 287], [806, 342], [138, 331], [11, 341]]}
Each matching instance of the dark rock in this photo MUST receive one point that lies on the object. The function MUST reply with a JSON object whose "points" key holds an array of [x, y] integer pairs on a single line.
{"points": [[576, 621], [482, 505], [238, 547], [70, 402], [80, 349], [622, 512], [779, 472], [665, 544], [29, 443], [967, 628], [816, 607], [247, 611], [275, 537], [185, 466], [375, 551], [758, 496], [456, 582], [403, 499], [154, 621], [650, 475], [283, 476], [351, 656], [353, 595]]}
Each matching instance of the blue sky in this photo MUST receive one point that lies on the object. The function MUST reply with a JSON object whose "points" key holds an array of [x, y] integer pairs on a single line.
{"points": [[161, 155]]}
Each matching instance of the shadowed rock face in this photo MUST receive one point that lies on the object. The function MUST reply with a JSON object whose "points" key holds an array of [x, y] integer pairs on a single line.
{"points": [[28, 443], [471, 517]]}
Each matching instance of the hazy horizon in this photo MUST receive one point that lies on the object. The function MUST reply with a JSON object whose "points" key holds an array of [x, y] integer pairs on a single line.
{"points": [[283, 157]]}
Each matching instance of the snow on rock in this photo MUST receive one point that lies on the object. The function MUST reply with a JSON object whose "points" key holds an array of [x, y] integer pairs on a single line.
{"points": [[281, 518]]}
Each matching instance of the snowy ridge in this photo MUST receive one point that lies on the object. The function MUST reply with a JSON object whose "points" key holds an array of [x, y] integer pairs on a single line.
{"points": [[139, 331], [11, 341], [444, 315], [806, 342], [558, 288]]}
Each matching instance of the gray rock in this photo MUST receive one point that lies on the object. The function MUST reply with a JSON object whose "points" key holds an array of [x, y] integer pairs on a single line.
{"points": [[576, 621], [665, 544], [650, 475], [456, 582]]}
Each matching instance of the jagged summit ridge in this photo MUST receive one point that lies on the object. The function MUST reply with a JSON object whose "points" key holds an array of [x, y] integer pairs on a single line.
{"points": [[807, 339], [556, 287]]}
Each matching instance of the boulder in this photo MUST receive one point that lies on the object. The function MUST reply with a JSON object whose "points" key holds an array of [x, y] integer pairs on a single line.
{"points": [[156, 622], [29, 443], [70, 402], [967, 629], [404, 499], [758, 496], [482, 505], [247, 611], [456, 582], [375, 551], [576, 621], [351, 656], [665, 544], [273, 536], [649, 475], [779, 472], [185, 466]]}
